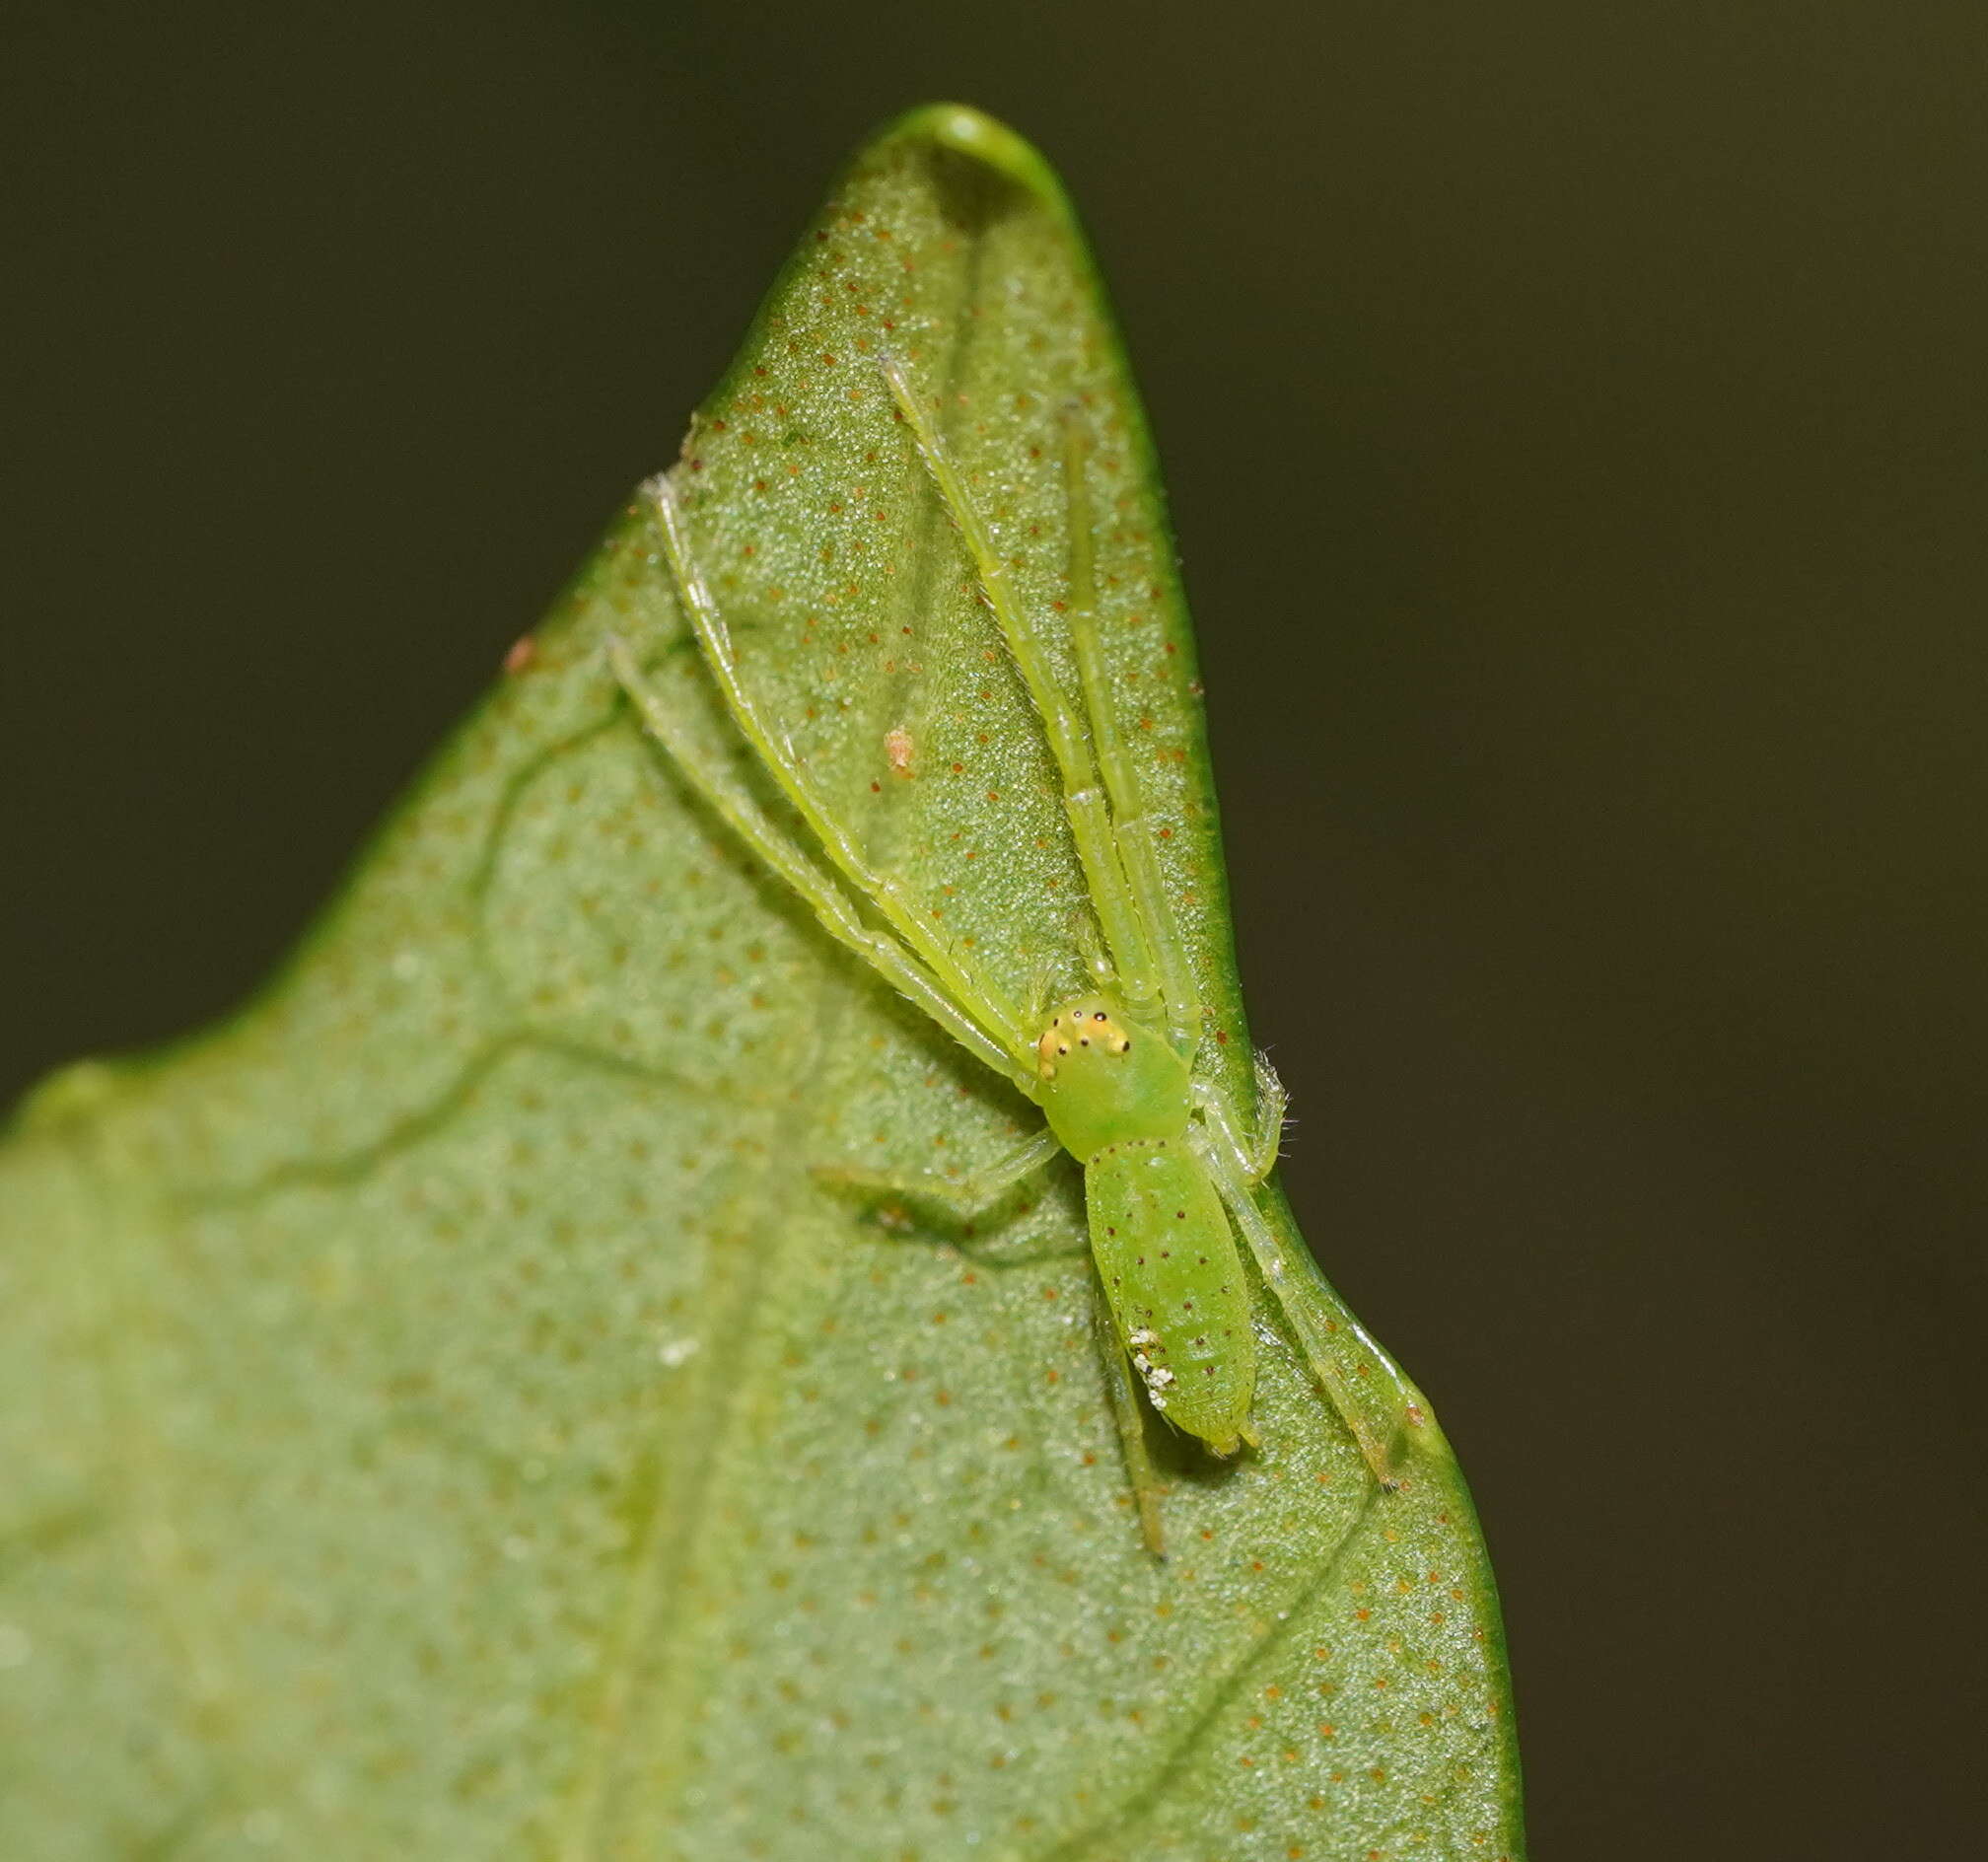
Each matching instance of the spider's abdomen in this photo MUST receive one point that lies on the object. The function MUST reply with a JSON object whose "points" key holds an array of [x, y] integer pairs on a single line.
{"points": [[1167, 1259]]}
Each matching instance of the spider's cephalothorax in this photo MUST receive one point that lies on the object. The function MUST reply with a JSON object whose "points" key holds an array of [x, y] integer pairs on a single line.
{"points": [[1106, 1079]]}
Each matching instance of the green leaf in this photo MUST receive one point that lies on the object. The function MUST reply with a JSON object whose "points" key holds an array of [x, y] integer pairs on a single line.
{"points": [[442, 1413]]}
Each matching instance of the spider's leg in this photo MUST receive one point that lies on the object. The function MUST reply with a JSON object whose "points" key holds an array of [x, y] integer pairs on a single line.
{"points": [[1258, 1155], [974, 993], [963, 1198], [1132, 831], [836, 912], [1129, 1413], [1385, 1412], [1086, 801]]}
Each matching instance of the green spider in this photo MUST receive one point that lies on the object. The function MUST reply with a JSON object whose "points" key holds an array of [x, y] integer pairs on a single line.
{"points": [[1168, 1167]]}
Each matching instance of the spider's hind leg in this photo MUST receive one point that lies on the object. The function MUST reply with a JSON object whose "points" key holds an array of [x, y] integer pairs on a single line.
{"points": [[1385, 1413], [1129, 1413]]}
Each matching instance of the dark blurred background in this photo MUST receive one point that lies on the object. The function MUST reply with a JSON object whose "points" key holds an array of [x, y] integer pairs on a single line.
{"points": [[1574, 418]]}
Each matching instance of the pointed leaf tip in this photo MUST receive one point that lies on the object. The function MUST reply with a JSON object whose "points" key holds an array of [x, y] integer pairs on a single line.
{"points": [[981, 138]]}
